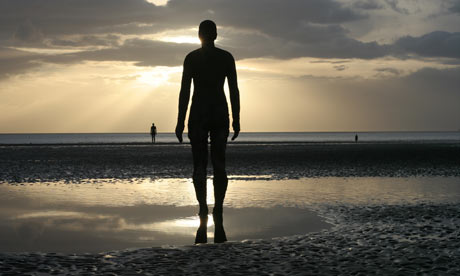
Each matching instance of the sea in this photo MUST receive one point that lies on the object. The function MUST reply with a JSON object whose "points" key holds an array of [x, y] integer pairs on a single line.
{"points": [[244, 137]]}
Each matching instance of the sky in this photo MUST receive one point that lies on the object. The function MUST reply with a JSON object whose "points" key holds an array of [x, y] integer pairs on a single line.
{"points": [[313, 65]]}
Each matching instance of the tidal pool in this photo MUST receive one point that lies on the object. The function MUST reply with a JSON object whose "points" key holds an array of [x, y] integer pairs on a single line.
{"points": [[107, 214]]}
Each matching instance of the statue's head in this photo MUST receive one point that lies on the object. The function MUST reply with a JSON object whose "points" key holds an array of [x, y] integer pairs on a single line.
{"points": [[207, 31]]}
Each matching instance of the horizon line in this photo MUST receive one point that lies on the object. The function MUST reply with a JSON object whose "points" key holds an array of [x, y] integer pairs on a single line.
{"points": [[136, 132]]}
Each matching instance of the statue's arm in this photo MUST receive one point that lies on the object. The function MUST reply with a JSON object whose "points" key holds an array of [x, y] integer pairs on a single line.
{"points": [[184, 97], [234, 97]]}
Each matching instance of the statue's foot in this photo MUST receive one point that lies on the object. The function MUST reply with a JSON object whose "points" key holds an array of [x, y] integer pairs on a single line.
{"points": [[219, 234], [202, 232]]}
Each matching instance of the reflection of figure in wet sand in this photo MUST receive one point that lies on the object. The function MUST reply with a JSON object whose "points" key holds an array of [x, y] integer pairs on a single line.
{"points": [[208, 67]]}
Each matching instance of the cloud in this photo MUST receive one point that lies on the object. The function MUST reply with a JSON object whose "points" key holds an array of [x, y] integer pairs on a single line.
{"points": [[74, 16], [435, 44], [289, 23], [367, 5], [273, 17], [311, 40], [391, 70], [249, 29], [142, 52], [158, 53], [88, 40], [27, 33], [394, 4], [455, 8], [13, 62], [335, 44], [340, 67], [86, 16], [387, 72], [265, 15]]}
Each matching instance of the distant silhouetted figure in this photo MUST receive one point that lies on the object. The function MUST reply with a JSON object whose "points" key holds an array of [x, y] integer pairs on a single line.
{"points": [[208, 66], [356, 138], [153, 132]]}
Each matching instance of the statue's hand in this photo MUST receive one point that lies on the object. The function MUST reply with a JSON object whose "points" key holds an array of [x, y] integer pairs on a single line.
{"points": [[236, 129], [179, 131]]}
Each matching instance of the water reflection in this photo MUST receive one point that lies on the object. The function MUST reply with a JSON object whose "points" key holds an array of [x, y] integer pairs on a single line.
{"points": [[35, 226], [103, 215]]}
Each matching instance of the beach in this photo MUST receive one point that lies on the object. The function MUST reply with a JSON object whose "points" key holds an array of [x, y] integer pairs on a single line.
{"points": [[382, 208], [400, 240], [326, 137], [31, 163]]}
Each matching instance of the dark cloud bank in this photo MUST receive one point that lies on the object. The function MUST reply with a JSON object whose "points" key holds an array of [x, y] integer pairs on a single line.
{"points": [[258, 28]]}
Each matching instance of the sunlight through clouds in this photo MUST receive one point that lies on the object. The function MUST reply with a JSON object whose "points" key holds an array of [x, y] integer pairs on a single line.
{"points": [[158, 2], [117, 93], [181, 39], [158, 76], [103, 66]]}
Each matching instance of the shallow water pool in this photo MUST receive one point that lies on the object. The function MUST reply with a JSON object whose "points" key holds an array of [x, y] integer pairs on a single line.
{"points": [[108, 214]]}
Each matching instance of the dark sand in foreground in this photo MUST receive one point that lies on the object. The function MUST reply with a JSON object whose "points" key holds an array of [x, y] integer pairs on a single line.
{"points": [[415, 238], [278, 161]]}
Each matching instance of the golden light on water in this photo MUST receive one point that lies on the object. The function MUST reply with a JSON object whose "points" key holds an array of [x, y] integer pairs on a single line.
{"points": [[185, 226], [143, 212], [193, 222], [51, 213]]}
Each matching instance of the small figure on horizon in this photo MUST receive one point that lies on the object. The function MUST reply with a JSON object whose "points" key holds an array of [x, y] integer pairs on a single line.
{"points": [[356, 138], [153, 132], [208, 66]]}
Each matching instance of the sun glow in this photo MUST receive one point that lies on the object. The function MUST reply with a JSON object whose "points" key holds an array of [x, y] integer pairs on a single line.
{"points": [[158, 2], [181, 39], [158, 76]]}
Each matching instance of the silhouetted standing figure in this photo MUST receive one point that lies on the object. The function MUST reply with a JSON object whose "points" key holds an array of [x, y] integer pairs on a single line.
{"points": [[208, 66], [356, 138], [153, 132]]}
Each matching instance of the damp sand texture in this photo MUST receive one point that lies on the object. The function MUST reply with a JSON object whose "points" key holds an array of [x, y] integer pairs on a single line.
{"points": [[416, 236], [277, 160]]}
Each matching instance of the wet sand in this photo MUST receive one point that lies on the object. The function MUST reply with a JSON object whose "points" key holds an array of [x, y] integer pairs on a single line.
{"points": [[419, 239], [35, 163], [417, 236]]}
